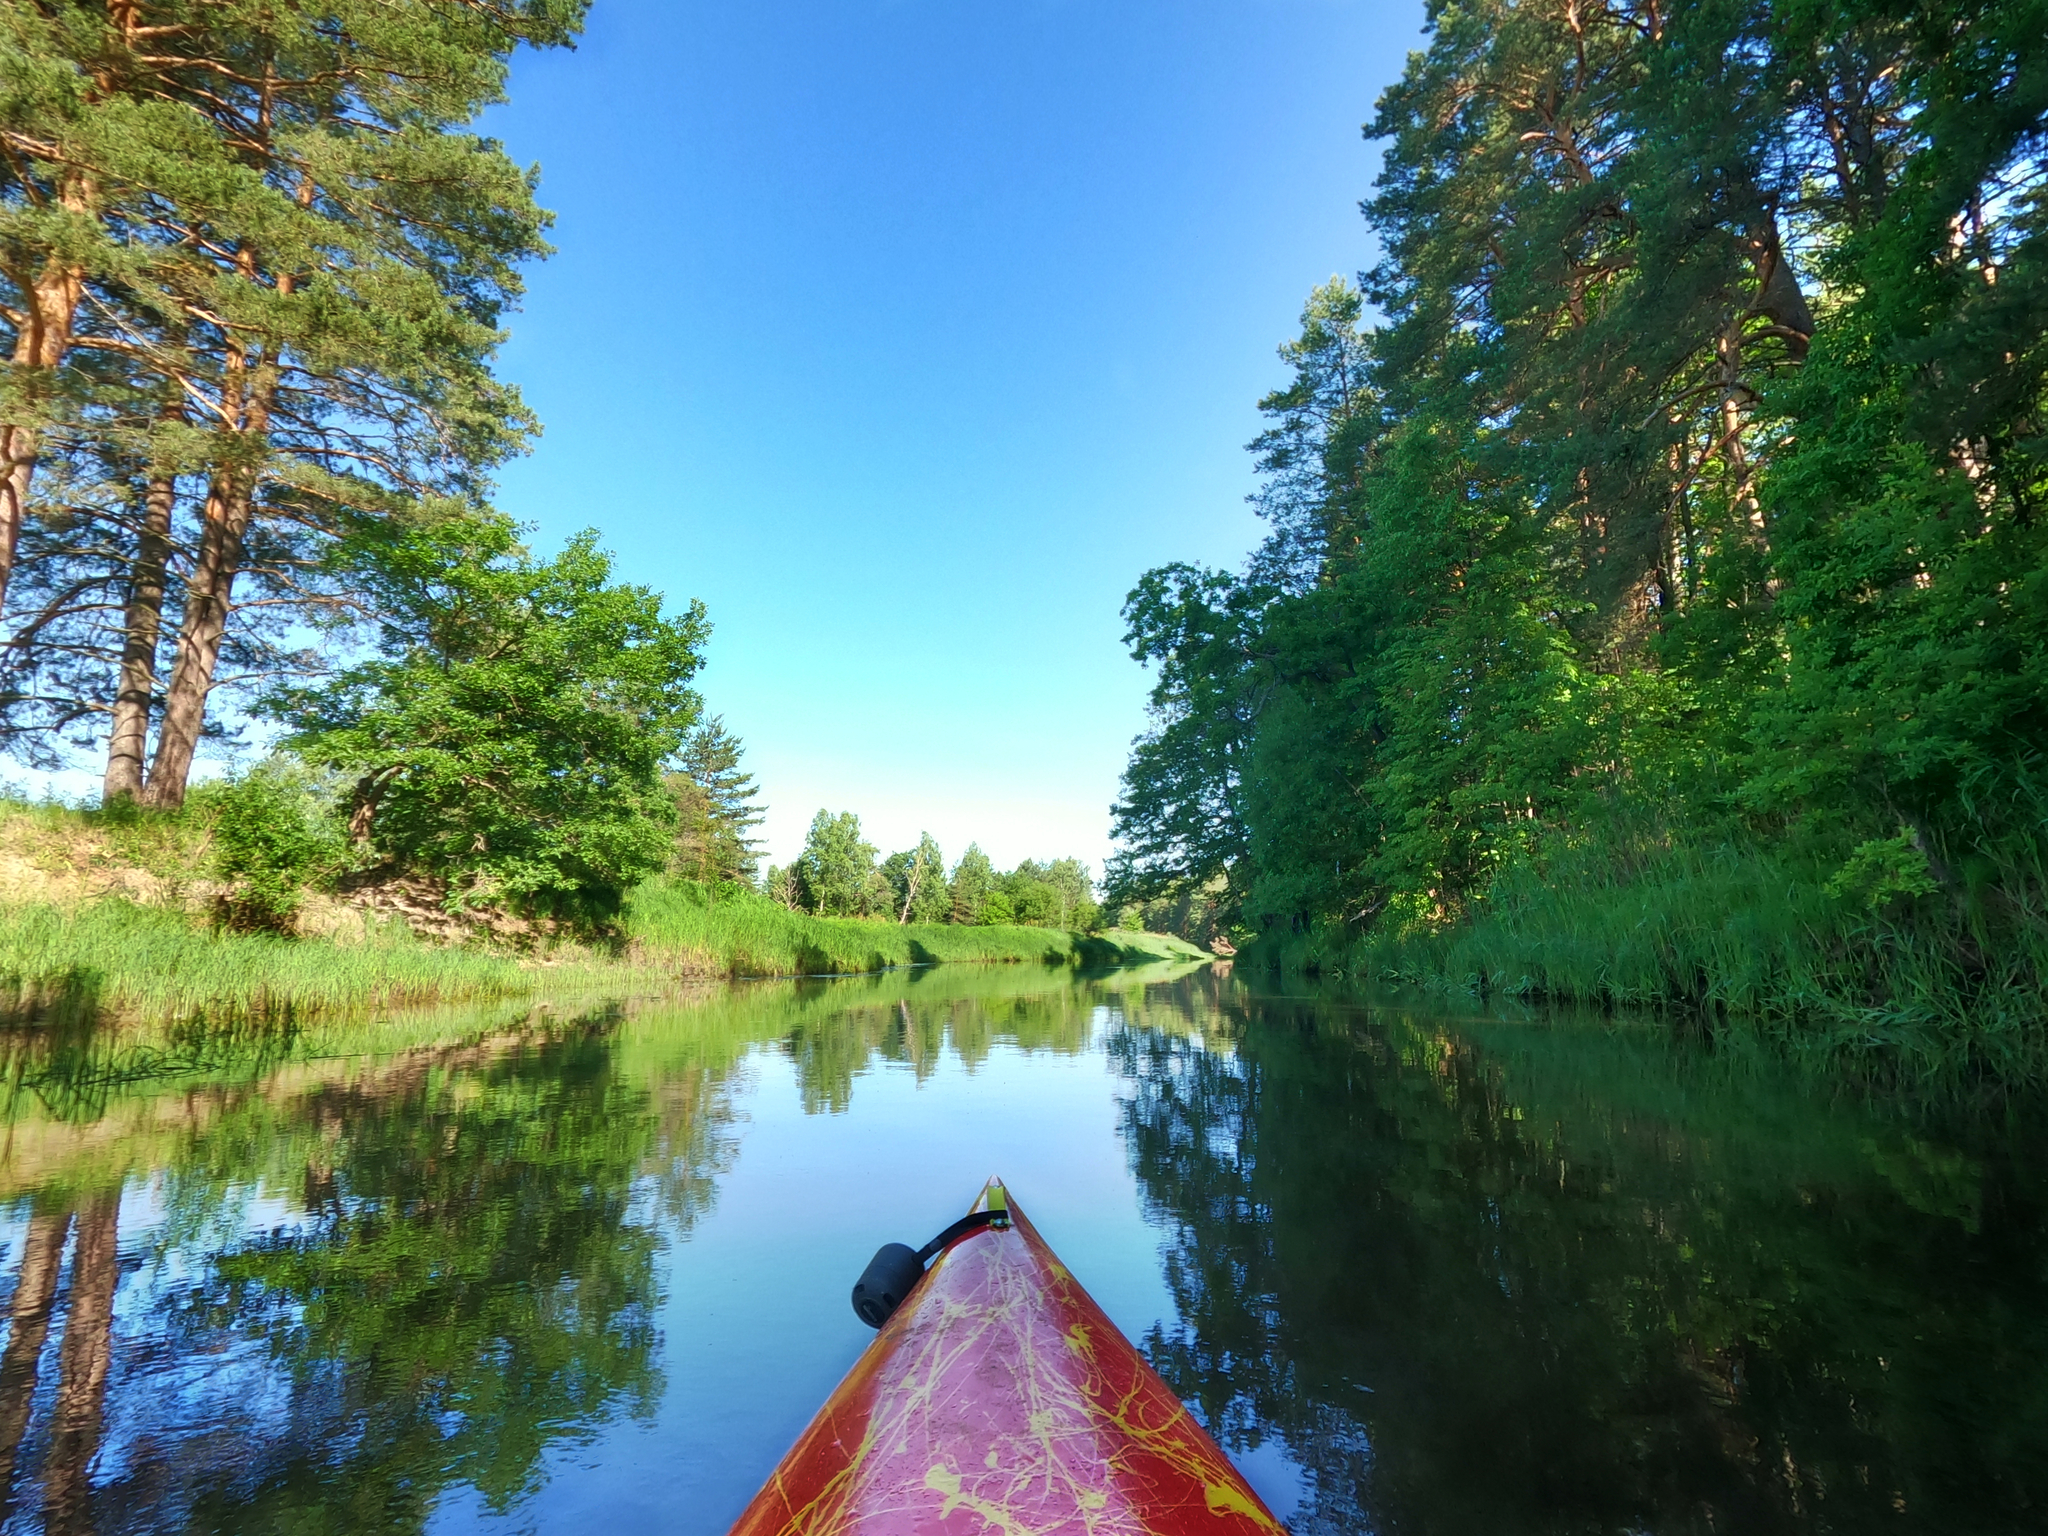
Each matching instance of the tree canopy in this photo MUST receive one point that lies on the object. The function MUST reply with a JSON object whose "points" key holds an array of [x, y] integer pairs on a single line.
{"points": [[254, 265], [510, 732], [1674, 479], [837, 875]]}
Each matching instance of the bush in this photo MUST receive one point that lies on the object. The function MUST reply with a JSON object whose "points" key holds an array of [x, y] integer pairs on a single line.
{"points": [[273, 832]]}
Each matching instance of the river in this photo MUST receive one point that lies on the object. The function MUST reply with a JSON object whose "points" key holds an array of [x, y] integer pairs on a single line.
{"points": [[584, 1269]]}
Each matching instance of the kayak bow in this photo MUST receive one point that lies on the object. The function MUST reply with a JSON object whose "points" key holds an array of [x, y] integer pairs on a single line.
{"points": [[999, 1398]]}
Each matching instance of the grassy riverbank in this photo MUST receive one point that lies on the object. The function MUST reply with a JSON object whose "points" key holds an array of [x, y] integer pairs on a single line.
{"points": [[104, 914], [681, 929], [1727, 931], [116, 955], [119, 956]]}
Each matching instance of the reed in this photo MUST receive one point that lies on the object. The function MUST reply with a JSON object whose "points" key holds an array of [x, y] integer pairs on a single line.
{"points": [[75, 945], [1728, 931], [116, 956]]}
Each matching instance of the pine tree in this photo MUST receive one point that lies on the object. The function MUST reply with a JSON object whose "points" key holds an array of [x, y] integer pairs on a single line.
{"points": [[297, 261], [715, 807]]}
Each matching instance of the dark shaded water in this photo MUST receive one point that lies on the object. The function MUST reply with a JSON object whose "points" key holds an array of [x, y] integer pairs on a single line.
{"points": [[587, 1270]]}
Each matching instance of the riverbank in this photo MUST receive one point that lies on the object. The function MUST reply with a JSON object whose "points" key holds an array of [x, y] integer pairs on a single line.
{"points": [[681, 928], [1724, 932], [123, 957], [108, 914], [116, 955]]}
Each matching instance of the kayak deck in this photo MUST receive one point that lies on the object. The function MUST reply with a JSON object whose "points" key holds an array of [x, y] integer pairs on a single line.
{"points": [[1000, 1398]]}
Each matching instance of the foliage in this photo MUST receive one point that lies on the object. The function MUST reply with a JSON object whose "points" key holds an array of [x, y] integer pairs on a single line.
{"points": [[682, 928], [835, 874], [973, 879], [116, 958], [1685, 495], [1178, 818], [248, 309], [1059, 894], [918, 879], [273, 833], [510, 733], [715, 808], [779, 885]]}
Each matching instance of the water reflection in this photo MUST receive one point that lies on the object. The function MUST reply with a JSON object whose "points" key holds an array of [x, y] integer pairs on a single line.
{"points": [[289, 1278], [567, 1268], [1492, 1278], [348, 1294]]}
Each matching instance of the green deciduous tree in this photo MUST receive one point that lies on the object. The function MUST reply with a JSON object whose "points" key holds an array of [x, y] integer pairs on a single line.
{"points": [[917, 878], [835, 873], [510, 733], [1179, 817], [974, 877], [1031, 899]]}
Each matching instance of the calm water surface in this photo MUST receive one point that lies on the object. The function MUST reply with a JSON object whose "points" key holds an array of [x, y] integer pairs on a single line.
{"points": [[587, 1271]]}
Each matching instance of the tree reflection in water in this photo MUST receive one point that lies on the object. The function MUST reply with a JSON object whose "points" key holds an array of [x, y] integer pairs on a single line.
{"points": [[351, 1296], [1507, 1278], [268, 1280], [1474, 1276]]}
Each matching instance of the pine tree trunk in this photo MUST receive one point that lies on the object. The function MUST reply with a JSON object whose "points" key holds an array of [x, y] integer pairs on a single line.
{"points": [[35, 1289], [83, 1359], [208, 603], [141, 627], [249, 393], [40, 349]]}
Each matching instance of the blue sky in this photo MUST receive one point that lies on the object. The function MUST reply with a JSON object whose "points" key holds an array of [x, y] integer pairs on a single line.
{"points": [[906, 335]]}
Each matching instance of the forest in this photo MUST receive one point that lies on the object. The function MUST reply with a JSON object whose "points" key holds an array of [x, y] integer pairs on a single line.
{"points": [[838, 875], [1654, 593]]}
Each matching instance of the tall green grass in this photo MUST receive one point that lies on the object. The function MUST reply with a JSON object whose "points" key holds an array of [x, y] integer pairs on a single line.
{"points": [[78, 957], [1729, 931], [116, 957], [681, 928], [113, 956]]}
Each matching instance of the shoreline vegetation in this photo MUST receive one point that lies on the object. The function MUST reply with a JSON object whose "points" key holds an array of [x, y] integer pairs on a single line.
{"points": [[119, 915], [248, 497], [1716, 935], [1653, 607]]}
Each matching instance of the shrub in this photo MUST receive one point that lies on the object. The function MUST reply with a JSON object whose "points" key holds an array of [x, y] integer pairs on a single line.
{"points": [[273, 832]]}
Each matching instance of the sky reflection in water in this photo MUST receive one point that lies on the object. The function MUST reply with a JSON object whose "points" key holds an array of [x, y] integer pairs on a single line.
{"points": [[587, 1271]]}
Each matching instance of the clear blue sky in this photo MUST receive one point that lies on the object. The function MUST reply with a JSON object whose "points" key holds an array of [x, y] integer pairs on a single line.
{"points": [[906, 335]]}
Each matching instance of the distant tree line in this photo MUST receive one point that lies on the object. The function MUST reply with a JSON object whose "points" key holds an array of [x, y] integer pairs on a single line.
{"points": [[841, 874], [1677, 481]]}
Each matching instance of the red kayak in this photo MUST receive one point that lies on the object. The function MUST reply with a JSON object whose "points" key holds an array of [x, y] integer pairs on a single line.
{"points": [[998, 1400]]}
